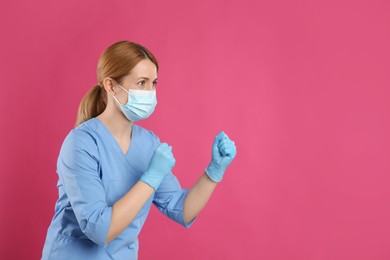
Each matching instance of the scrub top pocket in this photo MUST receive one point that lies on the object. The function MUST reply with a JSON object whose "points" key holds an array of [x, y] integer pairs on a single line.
{"points": [[65, 246]]}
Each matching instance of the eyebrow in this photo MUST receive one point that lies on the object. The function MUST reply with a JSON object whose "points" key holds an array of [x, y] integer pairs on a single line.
{"points": [[146, 78]]}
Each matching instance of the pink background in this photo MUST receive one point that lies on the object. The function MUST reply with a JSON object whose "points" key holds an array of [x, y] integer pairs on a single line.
{"points": [[301, 86]]}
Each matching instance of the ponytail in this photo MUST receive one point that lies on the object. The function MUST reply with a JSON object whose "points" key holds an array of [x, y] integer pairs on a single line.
{"points": [[92, 104]]}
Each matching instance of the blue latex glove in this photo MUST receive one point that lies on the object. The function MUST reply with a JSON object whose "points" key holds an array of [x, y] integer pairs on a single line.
{"points": [[223, 153], [160, 165]]}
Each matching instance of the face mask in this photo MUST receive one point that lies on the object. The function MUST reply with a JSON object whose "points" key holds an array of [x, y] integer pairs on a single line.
{"points": [[140, 104]]}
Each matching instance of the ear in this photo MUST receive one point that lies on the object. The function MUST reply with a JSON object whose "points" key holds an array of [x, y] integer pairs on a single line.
{"points": [[109, 86]]}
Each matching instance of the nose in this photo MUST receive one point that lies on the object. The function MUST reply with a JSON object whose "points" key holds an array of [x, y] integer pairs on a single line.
{"points": [[151, 87]]}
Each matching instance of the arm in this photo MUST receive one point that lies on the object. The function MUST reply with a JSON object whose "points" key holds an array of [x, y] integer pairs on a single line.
{"points": [[197, 197], [223, 152], [126, 209]]}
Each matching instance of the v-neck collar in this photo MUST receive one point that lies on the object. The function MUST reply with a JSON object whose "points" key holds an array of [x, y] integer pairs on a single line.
{"points": [[114, 143]]}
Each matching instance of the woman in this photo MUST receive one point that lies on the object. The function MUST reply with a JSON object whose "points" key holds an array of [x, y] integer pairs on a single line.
{"points": [[111, 170]]}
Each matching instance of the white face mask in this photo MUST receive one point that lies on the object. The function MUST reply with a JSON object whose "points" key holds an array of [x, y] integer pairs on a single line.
{"points": [[140, 104]]}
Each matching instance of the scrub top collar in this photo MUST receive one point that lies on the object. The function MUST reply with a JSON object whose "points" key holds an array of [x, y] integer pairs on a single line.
{"points": [[113, 142]]}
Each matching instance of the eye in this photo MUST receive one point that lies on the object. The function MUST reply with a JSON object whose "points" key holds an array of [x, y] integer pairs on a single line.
{"points": [[141, 83], [154, 83]]}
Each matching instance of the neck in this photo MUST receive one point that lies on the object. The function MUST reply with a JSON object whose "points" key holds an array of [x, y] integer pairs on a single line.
{"points": [[116, 122]]}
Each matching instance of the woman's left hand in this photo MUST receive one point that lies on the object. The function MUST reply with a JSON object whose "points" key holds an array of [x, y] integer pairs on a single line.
{"points": [[223, 153]]}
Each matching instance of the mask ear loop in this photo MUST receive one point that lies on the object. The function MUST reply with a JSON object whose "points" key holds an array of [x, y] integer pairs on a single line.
{"points": [[123, 88], [117, 101], [114, 96]]}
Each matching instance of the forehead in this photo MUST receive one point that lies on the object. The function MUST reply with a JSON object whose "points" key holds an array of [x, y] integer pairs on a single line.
{"points": [[144, 68]]}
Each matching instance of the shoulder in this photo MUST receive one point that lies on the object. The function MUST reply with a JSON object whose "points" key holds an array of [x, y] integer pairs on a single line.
{"points": [[79, 151], [81, 137]]}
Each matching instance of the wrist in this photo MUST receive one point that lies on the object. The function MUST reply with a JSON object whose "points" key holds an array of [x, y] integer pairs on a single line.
{"points": [[214, 172], [150, 180]]}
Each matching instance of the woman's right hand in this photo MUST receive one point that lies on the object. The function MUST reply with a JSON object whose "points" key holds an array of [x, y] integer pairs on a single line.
{"points": [[160, 165]]}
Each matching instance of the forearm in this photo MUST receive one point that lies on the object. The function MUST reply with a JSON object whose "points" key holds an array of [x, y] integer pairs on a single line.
{"points": [[197, 197], [125, 209]]}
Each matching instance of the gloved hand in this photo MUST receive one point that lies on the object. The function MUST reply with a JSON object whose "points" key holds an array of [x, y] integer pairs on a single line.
{"points": [[160, 165], [223, 153]]}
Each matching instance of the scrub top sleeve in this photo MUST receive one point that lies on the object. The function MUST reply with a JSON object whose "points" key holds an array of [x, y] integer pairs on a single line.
{"points": [[169, 199], [78, 170]]}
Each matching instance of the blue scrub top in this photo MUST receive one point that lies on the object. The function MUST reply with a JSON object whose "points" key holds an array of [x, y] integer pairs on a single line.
{"points": [[93, 174]]}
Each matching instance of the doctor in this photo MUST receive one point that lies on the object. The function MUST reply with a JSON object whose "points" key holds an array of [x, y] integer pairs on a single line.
{"points": [[111, 170]]}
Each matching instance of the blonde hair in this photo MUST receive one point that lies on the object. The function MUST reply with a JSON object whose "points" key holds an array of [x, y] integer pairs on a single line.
{"points": [[116, 62]]}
